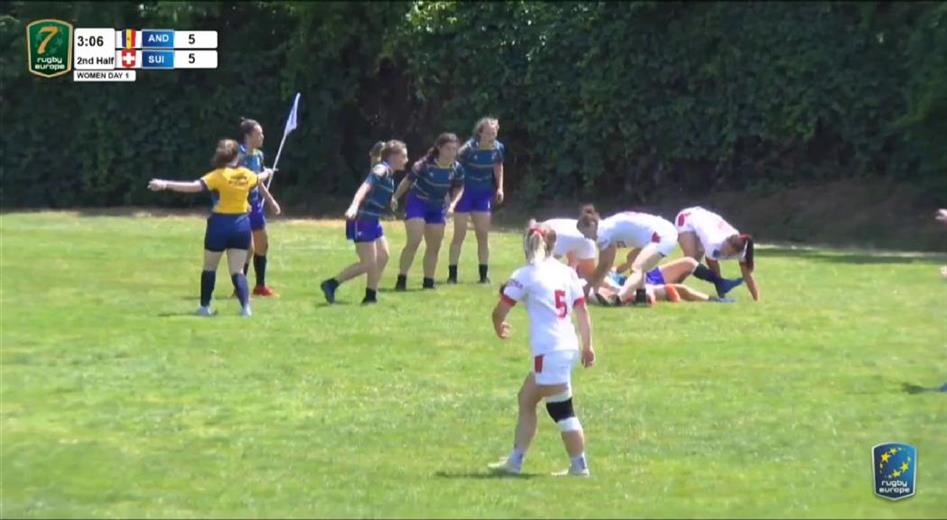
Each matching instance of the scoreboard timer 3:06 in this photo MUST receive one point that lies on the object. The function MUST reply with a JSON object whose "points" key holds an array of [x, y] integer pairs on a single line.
{"points": [[54, 48]]}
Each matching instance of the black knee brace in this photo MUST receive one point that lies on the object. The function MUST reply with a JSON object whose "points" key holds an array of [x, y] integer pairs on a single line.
{"points": [[561, 410]]}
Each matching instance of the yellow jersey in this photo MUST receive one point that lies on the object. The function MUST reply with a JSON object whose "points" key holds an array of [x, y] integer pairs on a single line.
{"points": [[232, 185]]}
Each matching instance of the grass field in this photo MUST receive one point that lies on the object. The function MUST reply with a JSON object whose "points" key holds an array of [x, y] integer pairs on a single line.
{"points": [[116, 402]]}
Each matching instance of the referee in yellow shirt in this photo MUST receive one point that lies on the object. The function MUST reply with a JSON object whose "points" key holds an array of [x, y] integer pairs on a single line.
{"points": [[228, 227]]}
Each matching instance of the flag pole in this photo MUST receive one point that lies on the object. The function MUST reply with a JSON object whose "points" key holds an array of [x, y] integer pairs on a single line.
{"points": [[290, 126], [276, 161]]}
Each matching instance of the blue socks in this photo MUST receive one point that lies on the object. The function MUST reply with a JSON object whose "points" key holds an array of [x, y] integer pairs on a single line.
{"points": [[706, 274], [240, 284], [207, 286]]}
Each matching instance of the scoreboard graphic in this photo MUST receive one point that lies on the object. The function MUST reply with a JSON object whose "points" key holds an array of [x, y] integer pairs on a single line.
{"points": [[55, 48]]}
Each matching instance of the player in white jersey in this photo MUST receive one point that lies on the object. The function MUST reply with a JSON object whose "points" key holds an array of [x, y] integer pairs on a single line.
{"points": [[655, 237], [703, 233], [551, 292], [580, 252]]}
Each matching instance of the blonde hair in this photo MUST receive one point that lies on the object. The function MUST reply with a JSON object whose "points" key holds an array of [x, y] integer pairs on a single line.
{"points": [[478, 128], [538, 242], [392, 147]]}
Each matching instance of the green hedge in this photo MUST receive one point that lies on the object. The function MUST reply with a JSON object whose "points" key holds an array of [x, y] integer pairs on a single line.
{"points": [[617, 98]]}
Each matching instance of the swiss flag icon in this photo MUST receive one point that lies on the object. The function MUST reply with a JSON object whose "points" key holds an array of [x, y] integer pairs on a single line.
{"points": [[128, 58]]}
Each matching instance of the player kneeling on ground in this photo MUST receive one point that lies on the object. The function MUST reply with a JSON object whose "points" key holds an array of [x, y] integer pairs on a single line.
{"points": [[551, 292]]}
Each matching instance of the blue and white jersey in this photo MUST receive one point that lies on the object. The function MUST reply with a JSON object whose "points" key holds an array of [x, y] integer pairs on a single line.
{"points": [[479, 164], [432, 183], [253, 162], [382, 182]]}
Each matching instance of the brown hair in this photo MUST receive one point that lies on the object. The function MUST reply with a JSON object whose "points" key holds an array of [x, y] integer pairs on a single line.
{"points": [[478, 128], [227, 151], [588, 215], [744, 242], [442, 139], [538, 242], [247, 126]]}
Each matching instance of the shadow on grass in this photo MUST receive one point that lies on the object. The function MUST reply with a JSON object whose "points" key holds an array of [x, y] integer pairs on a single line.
{"points": [[483, 475], [179, 314], [338, 303], [911, 388], [865, 258], [389, 290]]}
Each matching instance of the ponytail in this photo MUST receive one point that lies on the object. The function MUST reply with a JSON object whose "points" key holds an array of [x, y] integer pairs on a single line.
{"points": [[538, 243], [441, 140], [375, 154], [431, 154], [748, 251]]}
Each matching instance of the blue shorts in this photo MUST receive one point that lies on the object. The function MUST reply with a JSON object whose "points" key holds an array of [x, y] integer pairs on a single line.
{"points": [[363, 230], [227, 232], [417, 208], [654, 277], [478, 200], [257, 219]]}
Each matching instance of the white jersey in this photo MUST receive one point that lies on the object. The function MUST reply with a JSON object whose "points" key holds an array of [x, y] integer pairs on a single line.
{"points": [[570, 240], [636, 230], [551, 290], [711, 229]]}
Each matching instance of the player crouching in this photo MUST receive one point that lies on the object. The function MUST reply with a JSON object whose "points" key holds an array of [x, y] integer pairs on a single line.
{"points": [[551, 292]]}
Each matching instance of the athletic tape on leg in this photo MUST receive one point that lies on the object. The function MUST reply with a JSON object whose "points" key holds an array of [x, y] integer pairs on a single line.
{"points": [[560, 397], [571, 424]]}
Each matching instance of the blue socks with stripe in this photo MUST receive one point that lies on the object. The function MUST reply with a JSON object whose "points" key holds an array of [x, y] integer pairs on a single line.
{"points": [[240, 284]]}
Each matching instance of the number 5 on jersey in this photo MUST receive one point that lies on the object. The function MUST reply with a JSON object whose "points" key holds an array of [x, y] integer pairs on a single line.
{"points": [[561, 307]]}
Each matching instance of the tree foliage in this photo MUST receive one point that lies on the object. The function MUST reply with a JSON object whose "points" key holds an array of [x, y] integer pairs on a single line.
{"points": [[618, 98]]}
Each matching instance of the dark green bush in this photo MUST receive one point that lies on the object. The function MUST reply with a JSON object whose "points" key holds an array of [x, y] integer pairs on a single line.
{"points": [[593, 97]]}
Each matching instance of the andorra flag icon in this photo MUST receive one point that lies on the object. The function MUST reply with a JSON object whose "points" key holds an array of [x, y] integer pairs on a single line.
{"points": [[128, 39]]}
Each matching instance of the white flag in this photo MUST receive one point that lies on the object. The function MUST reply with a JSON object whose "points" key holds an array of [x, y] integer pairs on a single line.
{"points": [[290, 126], [291, 120]]}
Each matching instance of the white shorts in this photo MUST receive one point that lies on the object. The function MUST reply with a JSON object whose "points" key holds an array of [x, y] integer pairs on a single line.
{"points": [[667, 236], [583, 248], [682, 223], [555, 368]]}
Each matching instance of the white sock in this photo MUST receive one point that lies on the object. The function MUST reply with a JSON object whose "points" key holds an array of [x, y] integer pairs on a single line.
{"points": [[516, 457], [579, 463]]}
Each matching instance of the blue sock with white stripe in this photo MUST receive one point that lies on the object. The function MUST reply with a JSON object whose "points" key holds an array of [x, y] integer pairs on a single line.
{"points": [[240, 284]]}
